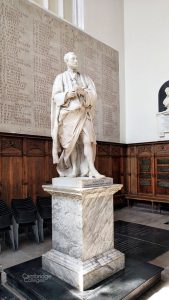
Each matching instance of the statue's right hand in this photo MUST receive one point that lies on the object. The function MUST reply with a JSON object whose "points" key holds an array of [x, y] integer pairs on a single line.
{"points": [[52, 134], [71, 94]]}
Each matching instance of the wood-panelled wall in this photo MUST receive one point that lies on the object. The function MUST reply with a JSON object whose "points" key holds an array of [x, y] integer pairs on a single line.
{"points": [[26, 164]]}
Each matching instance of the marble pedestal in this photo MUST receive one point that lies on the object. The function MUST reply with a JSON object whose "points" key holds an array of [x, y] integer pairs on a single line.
{"points": [[83, 251]]}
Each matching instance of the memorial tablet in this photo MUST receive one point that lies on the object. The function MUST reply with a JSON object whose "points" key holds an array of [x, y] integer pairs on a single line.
{"points": [[33, 44]]}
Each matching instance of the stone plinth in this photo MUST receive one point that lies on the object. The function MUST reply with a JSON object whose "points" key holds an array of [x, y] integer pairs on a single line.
{"points": [[81, 182], [163, 123], [82, 251]]}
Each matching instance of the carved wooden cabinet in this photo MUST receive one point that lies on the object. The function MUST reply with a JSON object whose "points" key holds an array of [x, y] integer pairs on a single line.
{"points": [[162, 170], [162, 175], [145, 182], [148, 171]]}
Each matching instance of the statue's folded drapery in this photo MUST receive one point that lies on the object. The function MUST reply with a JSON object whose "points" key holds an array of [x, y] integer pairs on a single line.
{"points": [[70, 118]]}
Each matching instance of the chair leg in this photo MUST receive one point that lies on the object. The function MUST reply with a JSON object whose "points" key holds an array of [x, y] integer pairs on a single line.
{"points": [[27, 231], [2, 243], [4, 237], [15, 230], [35, 231], [40, 227], [11, 234]]}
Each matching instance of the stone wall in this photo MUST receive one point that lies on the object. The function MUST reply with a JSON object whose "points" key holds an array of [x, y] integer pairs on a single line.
{"points": [[34, 42]]}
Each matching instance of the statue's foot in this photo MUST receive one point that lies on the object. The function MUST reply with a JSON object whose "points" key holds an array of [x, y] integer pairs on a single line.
{"points": [[74, 173], [85, 174], [95, 174]]}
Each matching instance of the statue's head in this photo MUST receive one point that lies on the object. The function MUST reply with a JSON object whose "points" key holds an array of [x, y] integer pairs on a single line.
{"points": [[167, 91], [71, 61]]}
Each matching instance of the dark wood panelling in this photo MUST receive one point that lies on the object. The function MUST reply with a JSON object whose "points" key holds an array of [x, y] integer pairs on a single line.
{"points": [[12, 178], [26, 164], [11, 146], [111, 161], [36, 176], [35, 148], [0, 166]]}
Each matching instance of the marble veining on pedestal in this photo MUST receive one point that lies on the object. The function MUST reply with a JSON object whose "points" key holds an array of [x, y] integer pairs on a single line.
{"points": [[83, 235], [67, 234], [88, 229]]}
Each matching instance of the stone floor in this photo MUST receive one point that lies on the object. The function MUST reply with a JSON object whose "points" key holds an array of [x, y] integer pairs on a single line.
{"points": [[28, 249], [139, 216]]}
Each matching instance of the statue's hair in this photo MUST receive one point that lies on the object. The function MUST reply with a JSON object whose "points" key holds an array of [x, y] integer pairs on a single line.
{"points": [[66, 56]]}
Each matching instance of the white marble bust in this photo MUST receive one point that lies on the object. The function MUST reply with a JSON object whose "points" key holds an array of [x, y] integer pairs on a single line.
{"points": [[73, 103], [166, 100]]}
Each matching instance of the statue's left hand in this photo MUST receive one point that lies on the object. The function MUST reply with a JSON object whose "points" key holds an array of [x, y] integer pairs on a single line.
{"points": [[80, 91]]}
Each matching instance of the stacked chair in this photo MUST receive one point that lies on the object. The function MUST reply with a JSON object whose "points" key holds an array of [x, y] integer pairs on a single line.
{"points": [[24, 214], [44, 207], [6, 222]]}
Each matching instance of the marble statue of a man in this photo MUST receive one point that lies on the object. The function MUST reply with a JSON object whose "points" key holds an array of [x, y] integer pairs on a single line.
{"points": [[73, 103], [166, 100]]}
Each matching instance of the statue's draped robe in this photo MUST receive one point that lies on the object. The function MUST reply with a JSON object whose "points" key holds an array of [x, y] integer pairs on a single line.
{"points": [[166, 103], [69, 120]]}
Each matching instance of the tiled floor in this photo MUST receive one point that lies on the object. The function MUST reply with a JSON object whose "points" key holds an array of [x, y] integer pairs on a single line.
{"points": [[141, 216], [135, 215], [28, 249]]}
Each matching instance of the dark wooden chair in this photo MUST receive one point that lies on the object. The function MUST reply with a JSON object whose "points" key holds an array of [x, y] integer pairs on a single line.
{"points": [[44, 206], [25, 214], [6, 222]]}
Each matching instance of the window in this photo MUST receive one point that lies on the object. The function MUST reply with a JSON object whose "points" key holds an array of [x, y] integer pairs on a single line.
{"points": [[70, 10]]}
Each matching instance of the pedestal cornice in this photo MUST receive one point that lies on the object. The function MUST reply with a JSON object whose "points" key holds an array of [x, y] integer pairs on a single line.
{"points": [[53, 190]]}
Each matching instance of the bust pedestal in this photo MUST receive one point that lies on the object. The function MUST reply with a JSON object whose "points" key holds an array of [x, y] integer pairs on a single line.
{"points": [[163, 123], [82, 251]]}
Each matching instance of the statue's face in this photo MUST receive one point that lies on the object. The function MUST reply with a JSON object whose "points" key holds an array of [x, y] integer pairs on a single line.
{"points": [[167, 91], [72, 61]]}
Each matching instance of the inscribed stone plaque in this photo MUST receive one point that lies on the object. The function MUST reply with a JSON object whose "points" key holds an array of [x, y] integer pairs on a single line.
{"points": [[34, 42], [163, 123]]}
